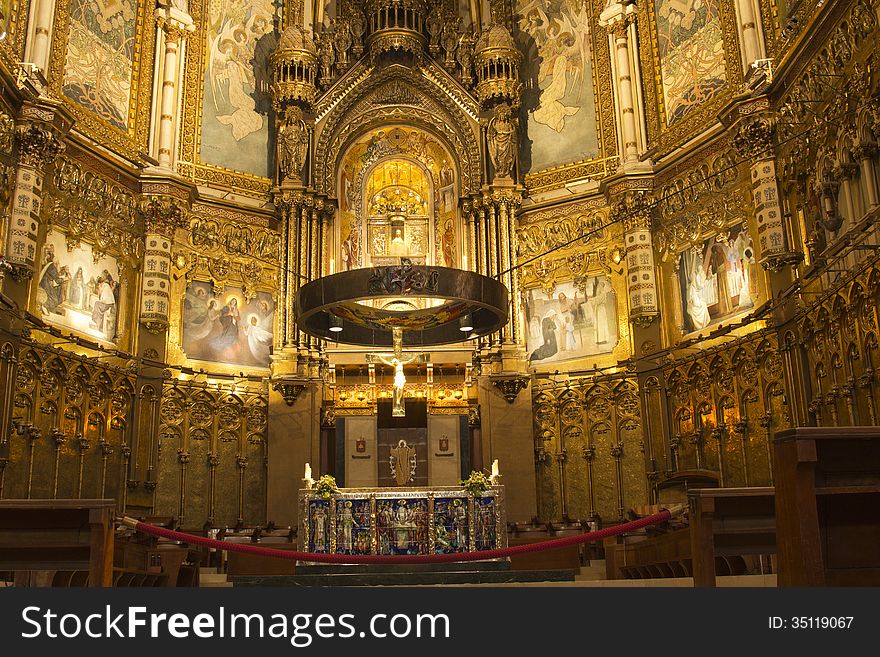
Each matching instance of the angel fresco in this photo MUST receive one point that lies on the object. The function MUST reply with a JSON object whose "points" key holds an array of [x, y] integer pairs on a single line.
{"points": [[562, 38], [232, 82]]}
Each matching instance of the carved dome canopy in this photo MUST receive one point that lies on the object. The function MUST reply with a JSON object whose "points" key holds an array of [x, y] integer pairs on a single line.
{"points": [[295, 37], [496, 36]]}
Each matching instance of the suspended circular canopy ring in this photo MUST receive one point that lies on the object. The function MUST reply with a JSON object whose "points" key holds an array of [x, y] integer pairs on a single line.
{"points": [[428, 305]]}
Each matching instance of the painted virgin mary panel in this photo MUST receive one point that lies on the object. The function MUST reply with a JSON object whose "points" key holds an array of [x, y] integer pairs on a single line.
{"points": [[572, 321], [227, 328]]}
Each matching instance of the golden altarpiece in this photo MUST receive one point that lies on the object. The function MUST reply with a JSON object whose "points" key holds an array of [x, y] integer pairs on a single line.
{"points": [[689, 250]]}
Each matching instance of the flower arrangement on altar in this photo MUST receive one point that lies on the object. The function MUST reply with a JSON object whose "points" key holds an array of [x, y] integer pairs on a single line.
{"points": [[477, 483], [325, 487]]}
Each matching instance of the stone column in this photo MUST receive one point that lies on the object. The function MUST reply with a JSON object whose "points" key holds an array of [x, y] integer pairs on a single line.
{"points": [[162, 216], [749, 33], [39, 46], [865, 153], [635, 210], [38, 145], [620, 20], [172, 27]]}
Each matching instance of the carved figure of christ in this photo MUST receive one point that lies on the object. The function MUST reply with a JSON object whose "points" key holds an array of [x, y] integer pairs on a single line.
{"points": [[397, 360]]}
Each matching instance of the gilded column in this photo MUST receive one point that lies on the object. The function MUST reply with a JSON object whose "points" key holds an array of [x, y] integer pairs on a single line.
{"points": [[38, 145], [753, 139], [162, 216], [634, 209], [172, 27]]}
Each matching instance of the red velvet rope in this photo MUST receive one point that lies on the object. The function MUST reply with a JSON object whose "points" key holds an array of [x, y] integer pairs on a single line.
{"points": [[402, 559]]}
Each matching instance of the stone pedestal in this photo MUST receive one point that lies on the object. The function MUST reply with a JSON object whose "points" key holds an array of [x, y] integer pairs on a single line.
{"points": [[507, 436], [294, 440]]}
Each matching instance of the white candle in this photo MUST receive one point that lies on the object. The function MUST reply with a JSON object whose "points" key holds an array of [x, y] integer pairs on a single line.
{"points": [[308, 474], [495, 468]]}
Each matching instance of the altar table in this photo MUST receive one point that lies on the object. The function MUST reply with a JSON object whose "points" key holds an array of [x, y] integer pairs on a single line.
{"points": [[402, 521]]}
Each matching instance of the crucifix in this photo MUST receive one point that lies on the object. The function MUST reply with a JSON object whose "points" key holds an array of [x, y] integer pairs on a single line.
{"points": [[397, 361]]}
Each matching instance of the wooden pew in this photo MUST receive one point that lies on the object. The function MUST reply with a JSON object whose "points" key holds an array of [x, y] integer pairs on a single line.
{"points": [[557, 559], [729, 523], [58, 535], [828, 506]]}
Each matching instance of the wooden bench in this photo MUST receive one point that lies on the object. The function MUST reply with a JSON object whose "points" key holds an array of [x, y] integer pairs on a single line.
{"points": [[730, 532], [58, 535], [828, 506], [729, 523]]}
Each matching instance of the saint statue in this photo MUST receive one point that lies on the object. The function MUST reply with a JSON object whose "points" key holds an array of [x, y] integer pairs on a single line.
{"points": [[403, 462], [502, 141], [293, 144]]}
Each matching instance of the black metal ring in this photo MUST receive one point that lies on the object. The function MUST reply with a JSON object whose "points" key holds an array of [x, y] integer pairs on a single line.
{"points": [[460, 293]]}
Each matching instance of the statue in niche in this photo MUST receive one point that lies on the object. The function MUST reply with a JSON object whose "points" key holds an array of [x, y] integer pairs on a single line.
{"points": [[293, 143], [398, 244], [343, 41], [502, 141], [327, 55], [465, 56]]}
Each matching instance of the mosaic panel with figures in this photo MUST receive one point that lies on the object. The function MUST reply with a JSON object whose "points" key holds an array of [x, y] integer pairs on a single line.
{"points": [[451, 531], [353, 527], [319, 526], [402, 526], [485, 523]]}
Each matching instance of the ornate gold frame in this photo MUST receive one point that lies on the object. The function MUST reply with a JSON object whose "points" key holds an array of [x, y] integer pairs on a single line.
{"points": [[132, 143], [12, 47]]}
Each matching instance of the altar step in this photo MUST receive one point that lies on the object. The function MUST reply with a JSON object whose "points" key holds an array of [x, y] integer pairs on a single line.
{"points": [[487, 572]]}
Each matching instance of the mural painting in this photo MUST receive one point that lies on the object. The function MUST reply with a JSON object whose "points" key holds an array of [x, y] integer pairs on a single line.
{"points": [[691, 48], [235, 123], [227, 328], [100, 54], [571, 321], [555, 37], [718, 278], [79, 289]]}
